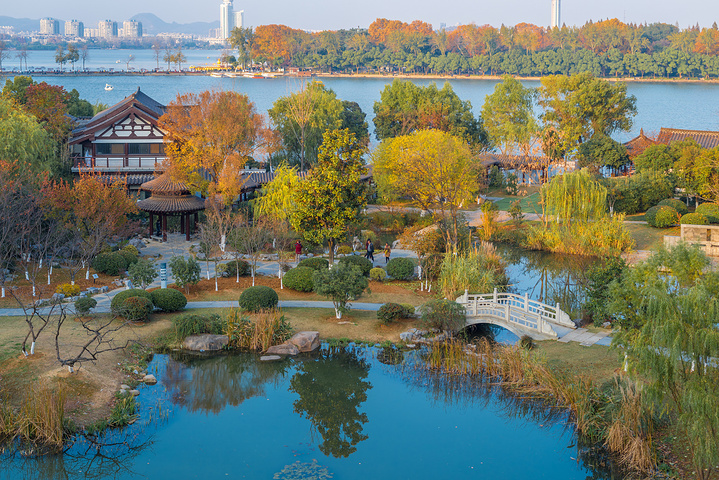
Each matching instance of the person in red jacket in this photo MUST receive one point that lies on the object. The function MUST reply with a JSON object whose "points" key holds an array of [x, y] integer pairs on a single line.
{"points": [[298, 251]]}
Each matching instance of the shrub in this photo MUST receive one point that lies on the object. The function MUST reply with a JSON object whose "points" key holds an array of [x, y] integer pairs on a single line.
{"points": [[344, 250], [378, 274], [709, 210], [136, 309], [112, 263], [400, 268], [299, 278], [694, 219], [168, 299], [526, 343], [364, 264], [118, 301], [185, 271], [131, 249], [129, 257], [142, 273], [661, 216], [443, 315], [192, 324], [83, 305], [258, 298], [315, 263], [389, 312], [408, 310], [232, 267], [677, 205], [342, 283], [68, 290]]}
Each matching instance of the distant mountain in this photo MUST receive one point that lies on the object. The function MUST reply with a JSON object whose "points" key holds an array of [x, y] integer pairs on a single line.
{"points": [[23, 24], [152, 25]]}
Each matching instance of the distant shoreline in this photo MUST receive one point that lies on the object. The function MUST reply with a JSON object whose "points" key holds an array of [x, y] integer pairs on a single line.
{"points": [[403, 76]]}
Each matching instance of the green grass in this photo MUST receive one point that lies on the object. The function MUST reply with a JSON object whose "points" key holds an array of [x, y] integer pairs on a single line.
{"points": [[596, 362], [649, 238], [637, 217], [529, 204]]}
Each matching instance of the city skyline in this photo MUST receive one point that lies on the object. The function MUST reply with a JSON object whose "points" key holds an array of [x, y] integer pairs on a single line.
{"points": [[325, 15]]}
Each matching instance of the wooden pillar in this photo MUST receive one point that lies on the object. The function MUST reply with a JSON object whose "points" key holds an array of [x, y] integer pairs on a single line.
{"points": [[164, 227], [194, 226], [182, 223], [151, 225], [186, 216]]}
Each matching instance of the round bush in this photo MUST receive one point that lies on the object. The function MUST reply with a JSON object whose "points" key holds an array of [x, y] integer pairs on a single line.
{"points": [[299, 278], [400, 268], [112, 263], [68, 289], [136, 309], [677, 205], [662, 216], [389, 312], [168, 299], [233, 266], [118, 301], [315, 263], [344, 250], [694, 219], [378, 274], [364, 264], [129, 257], [131, 249], [83, 305], [709, 210], [258, 298]]}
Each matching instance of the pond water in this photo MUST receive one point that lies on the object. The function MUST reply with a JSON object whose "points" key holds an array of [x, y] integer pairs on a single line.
{"points": [[343, 413]]}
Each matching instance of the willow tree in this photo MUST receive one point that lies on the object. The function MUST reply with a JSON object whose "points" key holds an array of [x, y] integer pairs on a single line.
{"points": [[276, 200], [574, 197]]}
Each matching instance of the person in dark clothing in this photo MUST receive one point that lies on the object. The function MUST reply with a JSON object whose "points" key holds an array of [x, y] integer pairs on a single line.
{"points": [[370, 250]]}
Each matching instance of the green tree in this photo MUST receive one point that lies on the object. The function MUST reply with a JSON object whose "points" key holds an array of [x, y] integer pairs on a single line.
{"points": [[142, 273], [341, 283], [23, 139], [574, 197], [332, 195], [72, 55], [185, 271], [276, 200], [509, 118], [16, 89], [600, 151], [656, 158], [60, 57]]}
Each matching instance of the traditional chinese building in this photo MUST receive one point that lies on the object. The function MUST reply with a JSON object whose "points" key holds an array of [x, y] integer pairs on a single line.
{"points": [[667, 136]]}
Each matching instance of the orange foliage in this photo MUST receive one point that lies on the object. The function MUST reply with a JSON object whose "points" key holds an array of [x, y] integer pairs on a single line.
{"points": [[277, 42], [382, 29], [707, 42]]}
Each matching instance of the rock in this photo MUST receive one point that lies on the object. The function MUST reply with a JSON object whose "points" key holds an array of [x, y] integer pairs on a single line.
{"points": [[396, 244], [205, 342], [284, 349], [93, 290], [411, 345], [104, 289], [83, 294], [124, 387], [57, 297], [270, 358], [137, 243], [607, 324], [406, 336], [305, 341], [149, 379], [134, 393]]}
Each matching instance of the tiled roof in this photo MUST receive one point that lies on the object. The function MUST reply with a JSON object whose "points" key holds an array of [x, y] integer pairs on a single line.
{"points": [[129, 180], [164, 184], [705, 138], [171, 204], [505, 160], [638, 144], [257, 179]]}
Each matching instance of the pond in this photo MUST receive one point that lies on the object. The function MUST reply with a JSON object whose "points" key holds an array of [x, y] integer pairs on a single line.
{"points": [[343, 412]]}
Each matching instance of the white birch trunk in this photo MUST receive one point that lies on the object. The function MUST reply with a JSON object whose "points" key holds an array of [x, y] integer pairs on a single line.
{"points": [[32, 348], [338, 313]]}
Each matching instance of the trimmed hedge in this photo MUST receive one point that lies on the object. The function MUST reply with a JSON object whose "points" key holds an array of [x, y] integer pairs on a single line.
{"points": [[315, 263], [118, 300], [129, 257], [231, 268], [389, 312], [709, 210], [400, 268], [168, 299], [677, 205], [364, 264], [300, 279], [258, 298], [378, 274], [344, 250], [83, 305], [694, 219], [113, 263], [662, 216], [136, 309]]}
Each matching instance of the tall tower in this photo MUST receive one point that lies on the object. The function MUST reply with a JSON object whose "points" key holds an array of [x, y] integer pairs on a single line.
{"points": [[556, 7], [239, 19], [226, 19]]}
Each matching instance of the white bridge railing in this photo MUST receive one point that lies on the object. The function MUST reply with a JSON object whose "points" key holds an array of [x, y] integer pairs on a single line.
{"points": [[515, 310]]}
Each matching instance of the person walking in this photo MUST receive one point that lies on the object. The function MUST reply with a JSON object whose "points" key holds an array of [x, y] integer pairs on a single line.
{"points": [[370, 250], [387, 253], [298, 251]]}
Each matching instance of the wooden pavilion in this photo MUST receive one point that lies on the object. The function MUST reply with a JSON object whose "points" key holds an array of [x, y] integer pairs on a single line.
{"points": [[170, 199]]}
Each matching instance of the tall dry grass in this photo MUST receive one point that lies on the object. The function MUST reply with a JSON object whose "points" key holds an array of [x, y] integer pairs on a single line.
{"points": [[479, 270], [620, 420], [265, 329], [40, 420]]}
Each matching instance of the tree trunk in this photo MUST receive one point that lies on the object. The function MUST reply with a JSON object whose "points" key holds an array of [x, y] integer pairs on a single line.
{"points": [[338, 313]]}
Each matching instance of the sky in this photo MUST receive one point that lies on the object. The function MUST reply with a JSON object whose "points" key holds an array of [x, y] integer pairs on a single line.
{"points": [[333, 14]]}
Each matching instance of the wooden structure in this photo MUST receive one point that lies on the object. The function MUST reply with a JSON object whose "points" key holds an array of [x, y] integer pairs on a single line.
{"points": [[667, 136], [168, 199]]}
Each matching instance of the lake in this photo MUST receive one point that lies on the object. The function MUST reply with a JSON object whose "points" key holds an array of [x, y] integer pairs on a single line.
{"points": [[677, 104], [343, 413]]}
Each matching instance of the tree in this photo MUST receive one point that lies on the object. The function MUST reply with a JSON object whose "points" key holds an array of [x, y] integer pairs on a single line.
{"points": [[23, 139], [332, 195], [341, 283], [211, 136], [250, 237], [60, 57], [156, 52], [242, 39], [128, 60], [84, 55], [580, 106], [602, 151], [509, 118], [433, 168], [142, 273], [4, 53], [405, 107], [573, 197], [169, 57], [21, 55], [214, 232], [276, 200], [179, 58], [186, 272], [72, 55]]}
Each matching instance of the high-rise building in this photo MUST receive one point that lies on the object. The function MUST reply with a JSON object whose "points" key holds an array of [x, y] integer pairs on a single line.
{"points": [[226, 19], [239, 19], [107, 29], [74, 28], [556, 7], [131, 29], [49, 26]]}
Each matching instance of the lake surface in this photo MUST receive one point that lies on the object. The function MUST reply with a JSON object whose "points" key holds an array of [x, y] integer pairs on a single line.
{"points": [[677, 105], [342, 413]]}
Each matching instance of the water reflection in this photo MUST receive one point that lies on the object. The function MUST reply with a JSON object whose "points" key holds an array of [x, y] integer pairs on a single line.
{"points": [[332, 388], [210, 383]]}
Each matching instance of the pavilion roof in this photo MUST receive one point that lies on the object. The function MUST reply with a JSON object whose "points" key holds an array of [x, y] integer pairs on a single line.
{"points": [[171, 204], [164, 184]]}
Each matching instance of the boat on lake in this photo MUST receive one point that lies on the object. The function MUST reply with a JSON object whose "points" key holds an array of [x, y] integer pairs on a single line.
{"points": [[108, 87]]}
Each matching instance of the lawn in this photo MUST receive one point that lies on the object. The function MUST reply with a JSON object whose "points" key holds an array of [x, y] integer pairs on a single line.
{"points": [[529, 204], [649, 238], [597, 362]]}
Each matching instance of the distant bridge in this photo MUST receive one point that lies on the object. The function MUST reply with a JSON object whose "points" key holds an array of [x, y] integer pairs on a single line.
{"points": [[516, 313]]}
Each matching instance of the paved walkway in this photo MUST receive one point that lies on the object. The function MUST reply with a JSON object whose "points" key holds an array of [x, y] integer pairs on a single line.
{"points": [[586, 338]]}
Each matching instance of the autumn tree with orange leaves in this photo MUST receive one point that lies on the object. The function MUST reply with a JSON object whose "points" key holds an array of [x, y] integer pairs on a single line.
{"points": [[211, 137]]}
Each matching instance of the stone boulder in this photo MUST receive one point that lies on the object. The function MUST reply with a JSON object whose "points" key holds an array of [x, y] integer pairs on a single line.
{"points": [[270, 358], [305, 341], [284, 349], [149, 379], [137, 243], [205, 342]]}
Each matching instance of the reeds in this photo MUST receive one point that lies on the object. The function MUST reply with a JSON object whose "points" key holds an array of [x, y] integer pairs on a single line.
{"points": [[619, 420], [478, 270], [268, 328], [40, 420]]}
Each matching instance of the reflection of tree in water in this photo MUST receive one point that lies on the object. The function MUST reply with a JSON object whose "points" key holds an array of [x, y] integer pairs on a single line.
{"points": [[549, 277], [332, 387], [303, 471], [209, 384]]}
